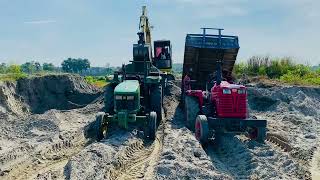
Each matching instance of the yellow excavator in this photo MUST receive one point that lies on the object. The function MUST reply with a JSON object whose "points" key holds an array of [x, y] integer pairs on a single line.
{"points": [[162, 52]]}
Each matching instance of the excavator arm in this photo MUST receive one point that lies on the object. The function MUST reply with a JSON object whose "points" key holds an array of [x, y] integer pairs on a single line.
{"points": [[144, 26]]}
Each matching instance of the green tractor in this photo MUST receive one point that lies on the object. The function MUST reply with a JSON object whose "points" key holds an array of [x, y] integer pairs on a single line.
{"points": [[135, 97]]}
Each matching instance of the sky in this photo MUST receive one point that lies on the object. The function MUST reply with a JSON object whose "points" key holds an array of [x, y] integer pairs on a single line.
{"points": [[103, 31]]}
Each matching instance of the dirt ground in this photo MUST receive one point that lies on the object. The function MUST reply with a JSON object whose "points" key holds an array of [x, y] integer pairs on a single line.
{"points": [[47, 129]]}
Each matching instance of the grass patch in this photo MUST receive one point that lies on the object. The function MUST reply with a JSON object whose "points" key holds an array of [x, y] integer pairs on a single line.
{"points": [[98, 81], [12, 76], [284, 70]]}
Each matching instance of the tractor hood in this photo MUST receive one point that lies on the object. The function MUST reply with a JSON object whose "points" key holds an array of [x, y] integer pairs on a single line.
{"points": [[225, 84], [128, 87]]}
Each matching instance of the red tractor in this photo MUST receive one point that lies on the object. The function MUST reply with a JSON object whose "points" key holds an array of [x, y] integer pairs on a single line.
{"points": [[213, 104]]}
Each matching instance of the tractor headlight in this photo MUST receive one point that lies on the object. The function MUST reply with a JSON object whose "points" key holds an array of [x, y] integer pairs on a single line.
{"points": [[241, 91], [118, 97], [226, 91], [130, 97]]}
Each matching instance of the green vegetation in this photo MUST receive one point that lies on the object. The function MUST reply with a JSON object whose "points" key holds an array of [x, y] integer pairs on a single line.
{"points": [[98, 81], [177, 70], [72, 65], [11, 73], [31, 67], [282, 69], [48, 67], [14, 72]]}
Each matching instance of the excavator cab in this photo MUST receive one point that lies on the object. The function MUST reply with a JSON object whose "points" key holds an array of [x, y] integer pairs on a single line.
{"points": [[162, 55]]}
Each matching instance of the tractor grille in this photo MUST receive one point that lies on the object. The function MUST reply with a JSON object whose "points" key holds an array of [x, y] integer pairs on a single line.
{"points": [[232, 105], [125, 105], [242, 104], [226, 104]]}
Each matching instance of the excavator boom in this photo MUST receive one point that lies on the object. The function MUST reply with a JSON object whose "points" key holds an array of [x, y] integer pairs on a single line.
{"points": [[144, 25]]}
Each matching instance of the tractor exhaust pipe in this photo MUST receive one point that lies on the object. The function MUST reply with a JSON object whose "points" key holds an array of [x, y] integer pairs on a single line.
{"points": [[218, 72]]}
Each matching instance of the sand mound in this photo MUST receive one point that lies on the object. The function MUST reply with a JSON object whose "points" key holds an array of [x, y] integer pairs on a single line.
{"points": [[32, 143], [39, 94], [56, 92], [10, 101]]}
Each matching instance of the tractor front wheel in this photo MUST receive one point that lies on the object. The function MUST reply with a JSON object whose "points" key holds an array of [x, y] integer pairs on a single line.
{"points": [[101, 127], [151, 127], [109, 98], [156, 101], [202, 129], [191, 110]]}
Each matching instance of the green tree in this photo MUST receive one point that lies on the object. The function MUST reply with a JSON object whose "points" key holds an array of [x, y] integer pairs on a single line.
{"points": [[31, 67], [28, 67], [75, 65], [3, 68], [16, 69], [48, 67], [37, 66]]}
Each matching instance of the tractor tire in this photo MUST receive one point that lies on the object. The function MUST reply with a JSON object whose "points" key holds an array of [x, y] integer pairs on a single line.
{"points": [[262, 134], [109, 98], [202, 129], [258, 134], [100, 129], [151, 127], [191, 110], [156, 101]]}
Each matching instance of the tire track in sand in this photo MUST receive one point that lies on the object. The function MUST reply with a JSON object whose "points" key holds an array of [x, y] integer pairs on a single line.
{"points": [[315, 165], [138, 160], [51, 158]]}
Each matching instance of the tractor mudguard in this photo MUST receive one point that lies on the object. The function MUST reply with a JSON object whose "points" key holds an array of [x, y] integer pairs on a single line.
{"points": [[198, 94], [253, 123], [242, 123]]}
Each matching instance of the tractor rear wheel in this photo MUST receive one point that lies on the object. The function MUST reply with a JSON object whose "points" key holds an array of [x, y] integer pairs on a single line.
{"points": [[156, 101], [151, 128], [191, 110], [202, 129], [108, 98], [258, 134], [101, 128]]}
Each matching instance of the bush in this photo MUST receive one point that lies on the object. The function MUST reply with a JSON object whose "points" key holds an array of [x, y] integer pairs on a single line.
{"points": [[12, 76], [16, 69], [12, 73], [283, 69], [308, 79], [239, 69], [262, 71], [98, 81]]}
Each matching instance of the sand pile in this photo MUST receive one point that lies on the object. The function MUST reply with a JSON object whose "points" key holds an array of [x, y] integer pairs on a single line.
{"points": [[29, 142]]}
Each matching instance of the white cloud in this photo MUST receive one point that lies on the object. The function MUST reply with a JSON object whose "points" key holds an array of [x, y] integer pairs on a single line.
{"points": [[40, 22]]}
